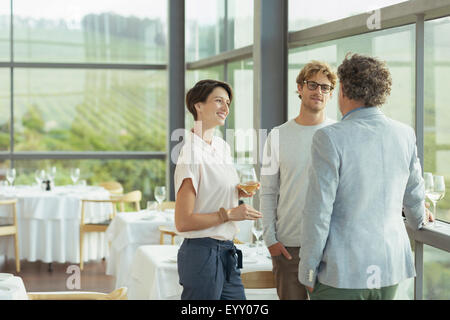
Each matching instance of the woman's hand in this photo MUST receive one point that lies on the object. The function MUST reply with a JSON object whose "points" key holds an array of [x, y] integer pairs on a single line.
{"points": [[245, 194], [244, 212]]}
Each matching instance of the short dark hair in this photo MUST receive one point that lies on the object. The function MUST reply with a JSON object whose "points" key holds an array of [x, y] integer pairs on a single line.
{"points": [[201, 91], [365, 78]]}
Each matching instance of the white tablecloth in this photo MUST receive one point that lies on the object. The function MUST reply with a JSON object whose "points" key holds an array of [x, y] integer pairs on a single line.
{"points": [[12, 288], [49, 223], [127, 232], [154, 274]]}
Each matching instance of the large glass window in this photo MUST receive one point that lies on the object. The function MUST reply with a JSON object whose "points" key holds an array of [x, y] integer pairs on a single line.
{"points": [[437, 115], [5, 109], [304, 14], [90, 110], [5, 26], [216, 26], [64, 109], [436, 279], [90, 31], [240, 120], [395, 46]]}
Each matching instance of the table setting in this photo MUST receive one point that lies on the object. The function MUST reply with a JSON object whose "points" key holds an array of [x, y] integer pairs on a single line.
{"points": [[48, 222]]}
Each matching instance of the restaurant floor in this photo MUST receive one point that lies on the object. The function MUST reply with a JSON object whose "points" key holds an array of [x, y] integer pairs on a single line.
{"points": [[40, 276]]}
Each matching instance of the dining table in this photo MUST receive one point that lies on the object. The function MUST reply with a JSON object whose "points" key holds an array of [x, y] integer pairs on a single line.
{"points": [[126, 233], [48, 223], [130, 230], [154, 272]]}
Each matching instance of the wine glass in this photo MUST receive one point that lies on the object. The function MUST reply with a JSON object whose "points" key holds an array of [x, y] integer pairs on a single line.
{"points": [[51, 174], [160, 195], [11, 175], [434, 190], [75, 174], [39, 176], [248, 179], [257, 229]]}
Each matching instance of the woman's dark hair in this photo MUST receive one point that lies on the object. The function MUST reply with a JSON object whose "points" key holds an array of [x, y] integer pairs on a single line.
{"points": [[201, 91]]}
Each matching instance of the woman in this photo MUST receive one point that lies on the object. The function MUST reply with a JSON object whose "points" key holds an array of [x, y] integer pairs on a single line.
{"points": [[206, 200]]}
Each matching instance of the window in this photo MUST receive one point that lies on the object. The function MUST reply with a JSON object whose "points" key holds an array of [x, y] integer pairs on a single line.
{"points": [[437, 116], [90, 31], [240, 119], [90, 110], [216, 26], [5, 107], [304, 14], [5, 23]]}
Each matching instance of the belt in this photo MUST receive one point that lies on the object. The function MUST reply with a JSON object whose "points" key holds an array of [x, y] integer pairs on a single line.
{"points": [[230, 261]]}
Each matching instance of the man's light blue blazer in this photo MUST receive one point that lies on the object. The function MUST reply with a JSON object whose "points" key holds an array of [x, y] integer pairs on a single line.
{"points": [[364, 169]]}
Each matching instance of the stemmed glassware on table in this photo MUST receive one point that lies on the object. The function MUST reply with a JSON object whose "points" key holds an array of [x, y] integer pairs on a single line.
{"points": [[74, 175], [160, 195], [434, 190], [257, 229], [51, 175], [11, 176], [39, 176]]}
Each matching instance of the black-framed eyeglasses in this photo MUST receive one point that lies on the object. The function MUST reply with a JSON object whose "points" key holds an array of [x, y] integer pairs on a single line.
{"points": [[312, 85]]}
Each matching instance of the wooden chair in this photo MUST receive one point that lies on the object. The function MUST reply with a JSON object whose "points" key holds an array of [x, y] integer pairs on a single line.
{"points": [[133, 197], [113, 187], [258, 280], [118, 294], [167, 205], [93, 227], [11, 229], [167, 231]]}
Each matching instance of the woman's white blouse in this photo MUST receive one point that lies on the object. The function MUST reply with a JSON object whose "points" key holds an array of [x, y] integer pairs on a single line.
{"points": [[214, 177]]}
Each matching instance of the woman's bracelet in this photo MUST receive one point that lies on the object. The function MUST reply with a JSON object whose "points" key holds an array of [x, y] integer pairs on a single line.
{"points": [[223, 214]]}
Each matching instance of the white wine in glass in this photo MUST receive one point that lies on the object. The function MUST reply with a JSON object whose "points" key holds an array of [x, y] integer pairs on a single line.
{"points": [[248, 180]]}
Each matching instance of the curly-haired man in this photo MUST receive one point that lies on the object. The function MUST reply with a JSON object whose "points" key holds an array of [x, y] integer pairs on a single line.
{"points": [[364, 169]]}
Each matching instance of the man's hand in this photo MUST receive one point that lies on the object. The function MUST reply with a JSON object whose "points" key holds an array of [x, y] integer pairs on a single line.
{"points": [[309, 289], [278, 249]]}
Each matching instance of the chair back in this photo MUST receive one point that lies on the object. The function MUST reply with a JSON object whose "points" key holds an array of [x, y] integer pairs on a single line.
{"points": [[113, 187], [131, 197], [258, 280], [11, 229], [118, 294]]}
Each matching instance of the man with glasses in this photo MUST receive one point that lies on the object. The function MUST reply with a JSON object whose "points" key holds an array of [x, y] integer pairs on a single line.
{"points": [[364, 169], [284, 176]]}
